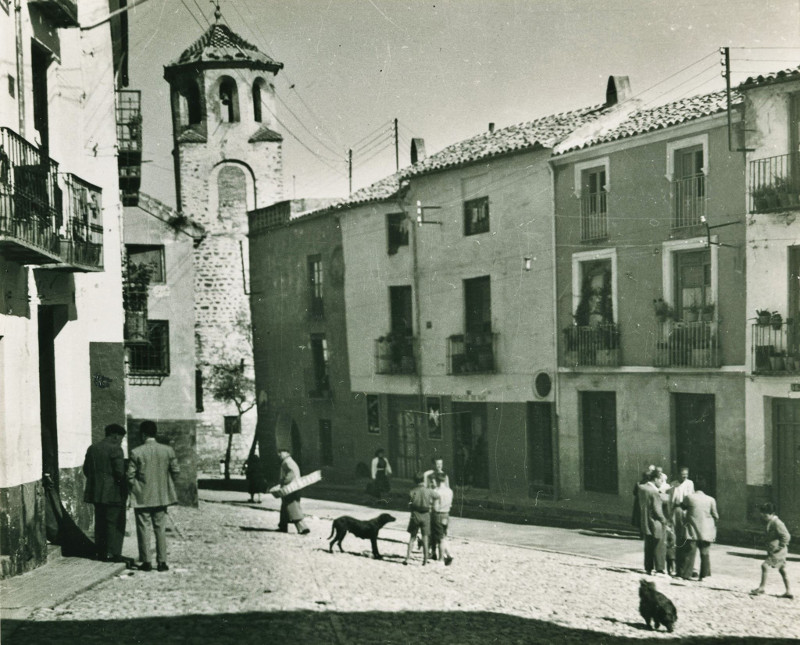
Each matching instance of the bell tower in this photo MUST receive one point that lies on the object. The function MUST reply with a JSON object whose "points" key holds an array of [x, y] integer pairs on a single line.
{"points": [[228, 160]]}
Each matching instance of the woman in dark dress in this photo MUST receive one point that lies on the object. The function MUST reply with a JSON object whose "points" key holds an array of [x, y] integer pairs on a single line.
{"points": [[381, 471], [256, 477]]}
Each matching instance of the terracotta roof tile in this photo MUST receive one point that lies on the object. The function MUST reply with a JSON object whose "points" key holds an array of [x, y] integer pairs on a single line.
{"points": [[657, 118], [219, 45], [265, 134], [543, 133], [774, 77]]}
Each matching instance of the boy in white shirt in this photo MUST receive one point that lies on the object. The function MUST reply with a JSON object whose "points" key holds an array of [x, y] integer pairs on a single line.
{"points": [[440, 518]]}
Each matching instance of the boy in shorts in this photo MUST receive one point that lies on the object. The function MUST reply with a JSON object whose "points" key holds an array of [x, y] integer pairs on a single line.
{"points": [[777, 543], [420, 502], [441, 518]]}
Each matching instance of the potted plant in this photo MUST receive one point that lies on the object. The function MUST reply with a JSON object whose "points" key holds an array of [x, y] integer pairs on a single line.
{"points": [[776, 321], [663, 310], [763, 317], [765, 198], [691, 313], [777, 361], [707, 312]]}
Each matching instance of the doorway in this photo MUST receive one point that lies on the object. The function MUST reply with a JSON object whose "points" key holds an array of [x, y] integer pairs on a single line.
{"points": [[599, 420], [471, 450], [786, 478], [403, 440], [695, 443], [51, 319], [540, 449]]}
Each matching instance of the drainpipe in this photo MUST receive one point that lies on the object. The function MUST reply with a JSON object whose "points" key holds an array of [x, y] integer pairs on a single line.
{"points": [[556, 380], [20, 68], [418, 321]]}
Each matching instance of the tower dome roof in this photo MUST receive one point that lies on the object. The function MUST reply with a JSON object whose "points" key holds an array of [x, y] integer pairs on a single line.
{"points": [[221, 47]]}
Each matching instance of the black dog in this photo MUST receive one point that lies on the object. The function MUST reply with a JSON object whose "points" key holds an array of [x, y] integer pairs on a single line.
{"points": [[655, 606], [365, 530]]}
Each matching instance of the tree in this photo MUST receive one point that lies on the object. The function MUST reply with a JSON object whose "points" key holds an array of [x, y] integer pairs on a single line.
{"points": [[229, 383]]}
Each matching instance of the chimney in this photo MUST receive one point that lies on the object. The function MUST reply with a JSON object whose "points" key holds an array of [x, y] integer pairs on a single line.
{"points": [[618, 90], [491, 127], [417, 150]]}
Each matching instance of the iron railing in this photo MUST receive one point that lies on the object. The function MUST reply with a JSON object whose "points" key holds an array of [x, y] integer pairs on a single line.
{"points": [[151, 358], [775, 348], [775, 183], [82, 236], [395, 354], [129, 141], [687, 344], [30, 199], [596, 345], [594, 216], [472, 353], [689, 200]]}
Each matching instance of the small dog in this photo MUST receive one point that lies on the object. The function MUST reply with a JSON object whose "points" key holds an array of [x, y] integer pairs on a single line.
{"points": [[366, 530], [655, 606]]}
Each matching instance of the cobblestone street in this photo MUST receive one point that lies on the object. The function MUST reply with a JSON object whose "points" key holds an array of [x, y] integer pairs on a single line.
{"points": [[234, 579]]}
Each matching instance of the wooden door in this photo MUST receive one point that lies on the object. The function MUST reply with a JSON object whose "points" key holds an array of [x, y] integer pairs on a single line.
{"points": [[540, 449], [599, 417], [695, 442], [786, 477]]}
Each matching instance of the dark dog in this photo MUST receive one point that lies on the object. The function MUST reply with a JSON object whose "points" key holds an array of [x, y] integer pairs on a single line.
{"points": [[365, 530], [655, 606]]}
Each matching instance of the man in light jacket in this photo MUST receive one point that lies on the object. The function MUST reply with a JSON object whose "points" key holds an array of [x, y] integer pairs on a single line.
{"points": [[652, 527], [701, 529], [151, 472]]}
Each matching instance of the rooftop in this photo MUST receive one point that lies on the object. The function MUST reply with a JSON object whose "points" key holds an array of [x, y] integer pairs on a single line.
{"points": [[782, 76], [221, 45]]}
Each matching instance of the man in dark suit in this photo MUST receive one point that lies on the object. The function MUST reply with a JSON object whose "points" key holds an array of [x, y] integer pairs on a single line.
{"points": [[104, 468], [152, 469], [701, 530], [653, 521]]}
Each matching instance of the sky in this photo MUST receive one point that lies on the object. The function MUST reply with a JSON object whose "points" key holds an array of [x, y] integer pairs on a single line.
{"points": [[445, 69]]}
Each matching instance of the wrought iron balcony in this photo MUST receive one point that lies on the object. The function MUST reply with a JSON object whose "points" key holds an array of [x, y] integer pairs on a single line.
{"points": [[775, 183], [129, 142], [775, 348], [594, 216], [472, 353], [689, 201], [592, 346], [687, 344], [82, 236], [30, 202], [62, 13], [394, 354]]}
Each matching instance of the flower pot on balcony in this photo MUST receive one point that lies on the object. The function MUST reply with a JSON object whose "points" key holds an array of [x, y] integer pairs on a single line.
{"points": [[702, 357], [690, 316], [136, 327], [763, 319], [777, 363], [606, 357]]}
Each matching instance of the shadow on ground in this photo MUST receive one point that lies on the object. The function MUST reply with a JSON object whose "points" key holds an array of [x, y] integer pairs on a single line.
{"points": [[333, 627]]}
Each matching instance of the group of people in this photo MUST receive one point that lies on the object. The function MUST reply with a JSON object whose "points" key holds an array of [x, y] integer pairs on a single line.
{"points": [[677, 520], [148, 481], [430, 501]]}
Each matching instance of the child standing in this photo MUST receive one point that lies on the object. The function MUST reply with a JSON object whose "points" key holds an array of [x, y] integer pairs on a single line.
{"points": [[777, 543], [441, 518], [420, 502]]}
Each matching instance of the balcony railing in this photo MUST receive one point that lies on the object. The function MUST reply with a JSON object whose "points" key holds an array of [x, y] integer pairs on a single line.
{"points": [[82, 237], [594, 216], [687, 344], [395, 355], [129, 141], [775, 183], [689, 200], [593, 346], [472, 353], [39, 222], [30, 201], [776, 348]]}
